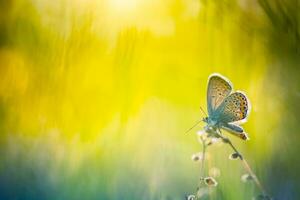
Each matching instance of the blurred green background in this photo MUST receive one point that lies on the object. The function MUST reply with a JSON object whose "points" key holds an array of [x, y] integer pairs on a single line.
{"points": [[95, 96]]}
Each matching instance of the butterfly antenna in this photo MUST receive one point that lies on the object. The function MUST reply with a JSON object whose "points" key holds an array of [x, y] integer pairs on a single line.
{"points": [[203, 111], [193, 126]]}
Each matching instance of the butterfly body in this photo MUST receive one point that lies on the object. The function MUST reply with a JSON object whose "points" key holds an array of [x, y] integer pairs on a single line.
{"points": [[226, 109]]}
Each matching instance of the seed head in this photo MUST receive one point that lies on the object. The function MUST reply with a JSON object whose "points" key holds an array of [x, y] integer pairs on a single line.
{"points": [[234, 156], [191, 197], [246, 177], [197, 157], [210, 181]]}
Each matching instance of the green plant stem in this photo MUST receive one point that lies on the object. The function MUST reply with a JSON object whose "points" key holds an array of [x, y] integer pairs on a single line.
{"points": [[202, 167], [203, 158], [245, 164]]}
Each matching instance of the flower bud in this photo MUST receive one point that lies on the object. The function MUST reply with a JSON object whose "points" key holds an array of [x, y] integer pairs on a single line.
{"points": [[191, 197], [246, 177], [210, 181], [234, 156], [197, 157]]}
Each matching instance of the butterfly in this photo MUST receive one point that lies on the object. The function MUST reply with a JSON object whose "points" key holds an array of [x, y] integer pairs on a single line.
{"points": [[227, 110]]}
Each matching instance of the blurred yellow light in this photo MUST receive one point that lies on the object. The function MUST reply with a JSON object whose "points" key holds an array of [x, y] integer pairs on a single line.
{"points": [[123, 6]]}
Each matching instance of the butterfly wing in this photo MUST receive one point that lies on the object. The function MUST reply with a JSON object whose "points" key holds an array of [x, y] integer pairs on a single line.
{"points": [[235, 108], [217, 90], [235, 130]]}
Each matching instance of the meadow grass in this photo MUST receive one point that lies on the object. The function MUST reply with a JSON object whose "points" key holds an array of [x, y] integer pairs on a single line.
{"points": [[95, 96]]}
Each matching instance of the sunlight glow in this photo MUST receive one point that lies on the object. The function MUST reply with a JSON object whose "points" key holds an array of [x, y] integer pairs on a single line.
{"points": [[123, 6]]}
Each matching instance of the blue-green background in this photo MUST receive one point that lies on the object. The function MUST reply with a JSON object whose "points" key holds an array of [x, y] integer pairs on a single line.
{"points": [[95, 96]]}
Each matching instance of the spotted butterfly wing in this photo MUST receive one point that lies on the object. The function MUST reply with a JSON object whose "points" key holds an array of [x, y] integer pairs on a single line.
{"points": [[235, 108], [217, 90], [235, 130]]}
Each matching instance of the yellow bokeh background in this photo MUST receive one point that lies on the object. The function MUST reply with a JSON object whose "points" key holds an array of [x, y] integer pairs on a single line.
{"points": [[96, 96]]}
